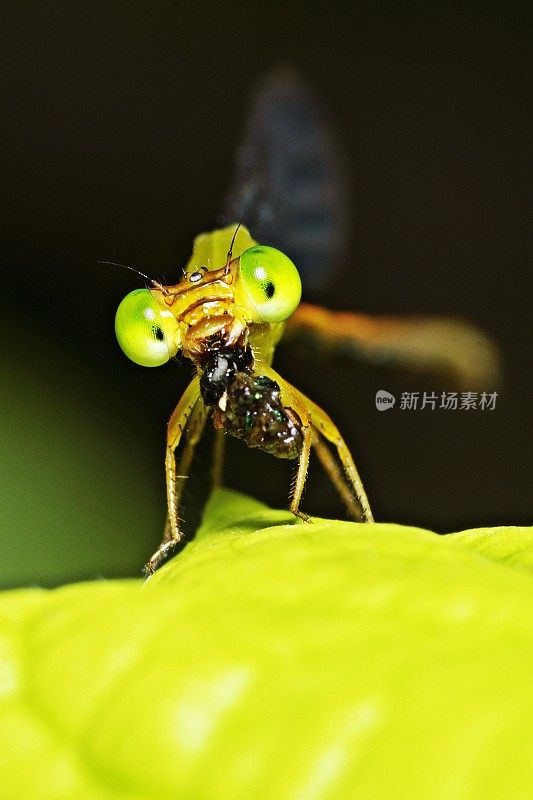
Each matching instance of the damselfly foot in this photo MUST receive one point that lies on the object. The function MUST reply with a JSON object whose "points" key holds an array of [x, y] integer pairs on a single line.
{"points": [[301, 515], [164, 553]]}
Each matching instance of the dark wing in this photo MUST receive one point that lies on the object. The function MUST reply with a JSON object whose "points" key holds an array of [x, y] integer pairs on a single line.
{"points": [[290, 184]]}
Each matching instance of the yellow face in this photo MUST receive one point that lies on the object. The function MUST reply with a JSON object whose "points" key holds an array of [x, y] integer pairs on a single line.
{"points": [[259, 287]]}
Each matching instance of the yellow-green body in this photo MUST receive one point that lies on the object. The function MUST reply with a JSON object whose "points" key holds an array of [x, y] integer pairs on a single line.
{"points": [[226, 314]]}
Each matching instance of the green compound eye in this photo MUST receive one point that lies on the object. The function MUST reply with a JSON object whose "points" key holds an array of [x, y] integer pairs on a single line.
{"points": [[268, 284], [139, 327]]}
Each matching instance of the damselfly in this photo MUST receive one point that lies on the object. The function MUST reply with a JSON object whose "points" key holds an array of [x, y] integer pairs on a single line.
{"points": [[238, 295]]}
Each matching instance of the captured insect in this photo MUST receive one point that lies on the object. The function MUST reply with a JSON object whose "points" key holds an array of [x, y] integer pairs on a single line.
{"points": [[240, 293]]}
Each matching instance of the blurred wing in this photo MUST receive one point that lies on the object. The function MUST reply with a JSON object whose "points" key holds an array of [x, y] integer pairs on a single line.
{"points": [[289, 187], [455, 350]]}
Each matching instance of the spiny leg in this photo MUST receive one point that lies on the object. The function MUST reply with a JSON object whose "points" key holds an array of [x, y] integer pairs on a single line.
{"points": [[193, 434], [301, 474], [176, 428], [306, 409], [179, 426], [336, 476], [330, 431]]}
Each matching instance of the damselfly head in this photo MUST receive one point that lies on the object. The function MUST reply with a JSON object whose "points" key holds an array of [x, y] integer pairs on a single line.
{"points": [[209, 307]]}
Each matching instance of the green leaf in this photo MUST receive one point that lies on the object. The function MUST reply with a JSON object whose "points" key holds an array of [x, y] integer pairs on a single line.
{"points": [[274, 660]]}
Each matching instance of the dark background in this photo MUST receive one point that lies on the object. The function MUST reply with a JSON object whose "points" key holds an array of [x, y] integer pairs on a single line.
{"points": [[120, 122]]}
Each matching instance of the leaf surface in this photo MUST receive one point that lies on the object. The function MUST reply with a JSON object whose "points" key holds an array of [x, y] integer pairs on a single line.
{"points": [[276, 660]]}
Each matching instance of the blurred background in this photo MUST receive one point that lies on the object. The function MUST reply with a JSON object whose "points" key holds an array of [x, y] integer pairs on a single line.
{"points": [[120, 122]]}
